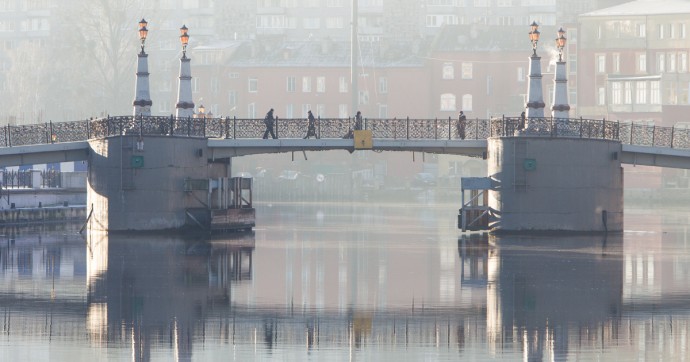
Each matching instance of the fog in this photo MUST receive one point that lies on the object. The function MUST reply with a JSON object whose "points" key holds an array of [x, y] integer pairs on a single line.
{"points": [[67, 60]]}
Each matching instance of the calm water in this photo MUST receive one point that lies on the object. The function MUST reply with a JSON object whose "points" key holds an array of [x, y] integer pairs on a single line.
{"points": [[348, 282]]}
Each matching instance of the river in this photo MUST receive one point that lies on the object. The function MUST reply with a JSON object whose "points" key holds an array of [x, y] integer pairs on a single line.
{"points": [[355, 281]]}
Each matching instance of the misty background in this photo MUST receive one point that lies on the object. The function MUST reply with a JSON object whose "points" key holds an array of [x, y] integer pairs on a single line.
{"points": [[66, 60]]}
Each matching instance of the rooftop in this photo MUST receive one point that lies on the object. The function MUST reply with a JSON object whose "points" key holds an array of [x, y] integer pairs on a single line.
{"points": [[644, 7]]}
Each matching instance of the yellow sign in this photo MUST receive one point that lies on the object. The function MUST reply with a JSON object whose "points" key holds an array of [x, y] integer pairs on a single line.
{"points": [[363, 140]]}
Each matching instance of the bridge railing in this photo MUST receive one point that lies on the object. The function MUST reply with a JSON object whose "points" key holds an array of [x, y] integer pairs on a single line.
{"points": [[381, 128]]}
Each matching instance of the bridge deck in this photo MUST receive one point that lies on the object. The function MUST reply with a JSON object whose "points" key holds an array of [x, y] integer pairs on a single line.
{"points": [[227, 137]]}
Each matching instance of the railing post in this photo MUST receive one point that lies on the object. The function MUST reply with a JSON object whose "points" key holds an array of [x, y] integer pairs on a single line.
{"points": [[172, 125], [408, 128], [234, 127], [227, 127], [88, 130], [107, 126], [8, 137], [580, 126], [318, 126], [603, 129], [632, 128], [203, 124], [276, 125], [449, 132], [673, 129], [141, 125], [653, 134], [618, 130], [436, 128]]}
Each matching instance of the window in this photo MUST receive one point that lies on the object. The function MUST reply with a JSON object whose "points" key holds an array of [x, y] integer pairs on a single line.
{"points": [[321, 84], [306, 84], [448, 102], [164, 108], [335, 23], [520, 74], [641, 92], [342, 111], [320, 110], [683, 62], [467, 102], [291, 84], [615, 93], [232, 99], [215, 86], [448, 71], [660, 62], [641, 30], [601, 63], [305, 108], [601, 96], [342, 85], [363, 97], [383, 111], [642, 63], [682, 31], [195, 85], [311, 23], [627, 92], [466, 70], [671, 62], [290, 111], [251, 110], [253, 85], [616, 60], [383, 85], [655, 92]]}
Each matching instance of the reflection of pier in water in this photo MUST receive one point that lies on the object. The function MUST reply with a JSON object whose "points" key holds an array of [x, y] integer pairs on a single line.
{"points": [[152, 293]]}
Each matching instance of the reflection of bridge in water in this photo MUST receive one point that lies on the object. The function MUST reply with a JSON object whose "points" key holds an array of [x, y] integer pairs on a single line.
{"points": [[544, 295]]}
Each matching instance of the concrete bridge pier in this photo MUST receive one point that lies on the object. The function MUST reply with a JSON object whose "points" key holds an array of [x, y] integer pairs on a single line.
{"points": [[149, 183], [545, 184]]}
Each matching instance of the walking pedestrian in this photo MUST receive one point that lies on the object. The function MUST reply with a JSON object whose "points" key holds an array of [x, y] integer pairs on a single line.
{"points": [[268, 121], [311, 130], [358, 121], [462, 122]]}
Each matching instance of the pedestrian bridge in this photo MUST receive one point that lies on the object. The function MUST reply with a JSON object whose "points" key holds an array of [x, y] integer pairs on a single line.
{"points": [[642, 144]]}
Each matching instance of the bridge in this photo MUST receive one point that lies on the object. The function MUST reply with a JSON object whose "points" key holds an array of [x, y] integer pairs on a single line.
{"points": [[156, 173], [229, 137]]}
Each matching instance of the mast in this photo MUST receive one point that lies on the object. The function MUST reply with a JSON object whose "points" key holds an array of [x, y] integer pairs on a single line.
{"points": [[354, 54]]}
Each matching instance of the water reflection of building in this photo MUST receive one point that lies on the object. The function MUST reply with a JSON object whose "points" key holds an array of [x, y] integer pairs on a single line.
{"points": [[152, 290], [546, 294]]}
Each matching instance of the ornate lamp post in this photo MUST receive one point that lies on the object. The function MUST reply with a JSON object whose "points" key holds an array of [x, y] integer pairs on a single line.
{"points": [[535, 103], [534, 36], [560, 43], [184, 39], [142, 100], [560, 109], [185, 105], [143, 32]]}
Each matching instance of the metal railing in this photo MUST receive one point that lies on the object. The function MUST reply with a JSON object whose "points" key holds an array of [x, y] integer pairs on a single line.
{"points": [[381, 128]]}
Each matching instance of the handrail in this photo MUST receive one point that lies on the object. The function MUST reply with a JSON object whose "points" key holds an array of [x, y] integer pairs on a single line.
{"points": [[381, 128]]}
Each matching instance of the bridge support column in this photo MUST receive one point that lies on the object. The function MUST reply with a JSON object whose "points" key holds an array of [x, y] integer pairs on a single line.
{"points": [[141, 184], [555, 184]]}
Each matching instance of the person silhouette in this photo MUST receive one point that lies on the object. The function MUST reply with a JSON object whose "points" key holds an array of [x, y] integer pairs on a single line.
{"points": [[311, 130], [268, 121]]}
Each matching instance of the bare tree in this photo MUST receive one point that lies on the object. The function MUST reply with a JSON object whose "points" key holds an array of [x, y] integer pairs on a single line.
{"points": [[99, 55]]}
